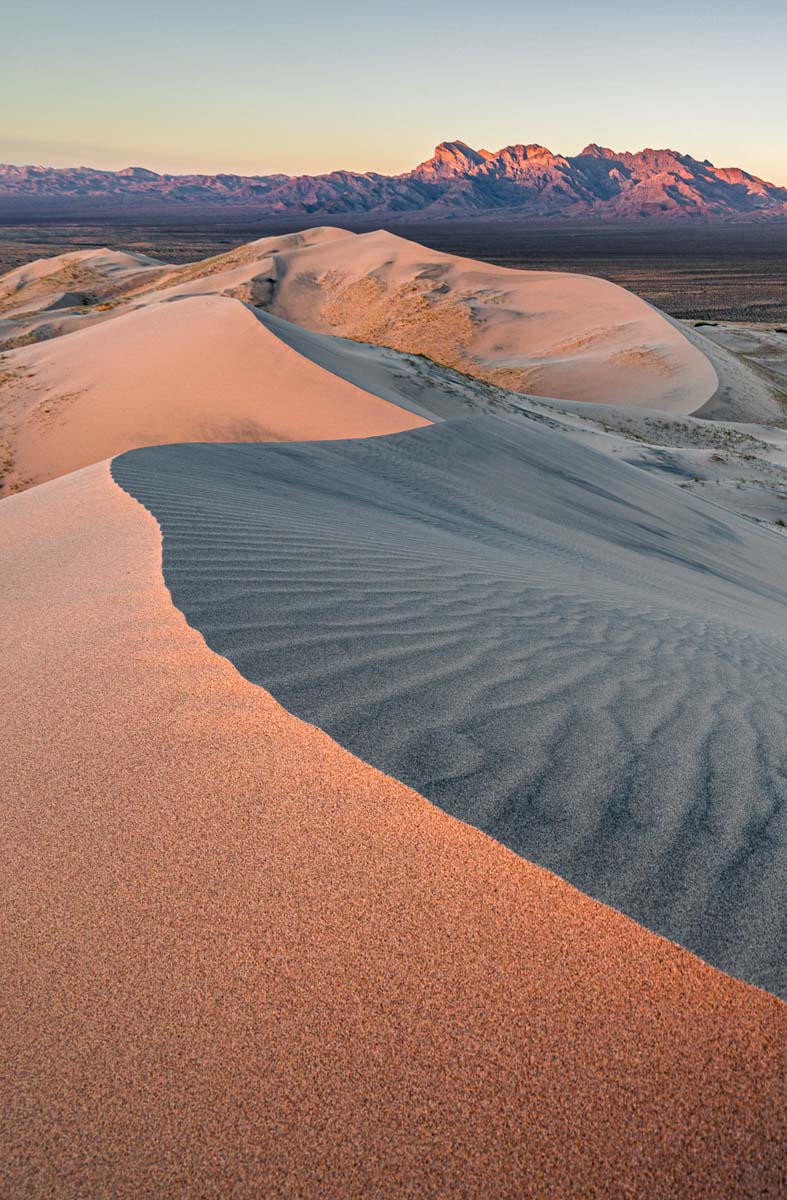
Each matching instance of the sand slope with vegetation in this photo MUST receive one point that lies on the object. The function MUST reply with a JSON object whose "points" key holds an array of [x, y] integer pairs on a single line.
{"points": [[95, 356]]}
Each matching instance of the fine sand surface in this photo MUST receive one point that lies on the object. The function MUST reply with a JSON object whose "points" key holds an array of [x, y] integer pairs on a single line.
{"points": [[572, 654], [237, 961], [201, 369]]}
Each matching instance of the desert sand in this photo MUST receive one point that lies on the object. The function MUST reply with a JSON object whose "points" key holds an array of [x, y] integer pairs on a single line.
{"points": [[267, 703], [98, 358], [571, 336], [574, 655], [750, 362], [79, 277], [201, 369], [238, 961]]}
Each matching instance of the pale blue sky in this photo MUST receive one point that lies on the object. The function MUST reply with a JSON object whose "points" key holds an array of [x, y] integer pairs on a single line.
{"points": [[303, 86]]}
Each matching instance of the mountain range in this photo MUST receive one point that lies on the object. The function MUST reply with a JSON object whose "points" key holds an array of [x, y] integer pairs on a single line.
{"points": [[457, 181]]}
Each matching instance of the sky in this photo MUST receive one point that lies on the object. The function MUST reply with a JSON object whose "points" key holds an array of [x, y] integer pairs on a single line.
{"points": [[306, 86]]}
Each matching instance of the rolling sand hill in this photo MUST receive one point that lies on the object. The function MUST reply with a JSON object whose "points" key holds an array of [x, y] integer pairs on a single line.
{"points": [[67, 280], [571, 336], [238, 961], [98, 359]]}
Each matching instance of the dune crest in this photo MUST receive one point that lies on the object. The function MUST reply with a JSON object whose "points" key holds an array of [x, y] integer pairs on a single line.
{"points": [[572, 655], [237, 960]]}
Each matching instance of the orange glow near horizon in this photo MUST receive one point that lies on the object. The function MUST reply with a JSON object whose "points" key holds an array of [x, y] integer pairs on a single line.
{"points": [[251, 88]]}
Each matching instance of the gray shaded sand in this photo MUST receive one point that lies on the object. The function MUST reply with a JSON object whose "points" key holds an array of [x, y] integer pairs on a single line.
{"points": [[745, 391], [574, 655]]}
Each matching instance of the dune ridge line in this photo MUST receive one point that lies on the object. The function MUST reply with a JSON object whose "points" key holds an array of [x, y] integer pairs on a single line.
{"points": [[237, 959]]}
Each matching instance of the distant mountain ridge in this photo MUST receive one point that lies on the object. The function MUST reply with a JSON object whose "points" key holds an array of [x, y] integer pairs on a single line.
{"points": [[457, 181]]}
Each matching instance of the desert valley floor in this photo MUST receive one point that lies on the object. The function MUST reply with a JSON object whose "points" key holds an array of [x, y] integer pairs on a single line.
{"points": [[394, 787]]}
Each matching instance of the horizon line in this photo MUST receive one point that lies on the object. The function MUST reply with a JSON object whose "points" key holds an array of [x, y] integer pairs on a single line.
{"points": [[266, 174]]}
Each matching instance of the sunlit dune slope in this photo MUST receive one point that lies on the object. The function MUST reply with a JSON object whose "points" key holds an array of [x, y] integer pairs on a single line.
{"points": [[238, 961], [548, 333], [199, 369]]}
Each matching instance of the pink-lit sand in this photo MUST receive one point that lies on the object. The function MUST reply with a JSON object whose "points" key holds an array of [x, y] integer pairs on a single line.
{"points": [[144, 354], [201, 369]]}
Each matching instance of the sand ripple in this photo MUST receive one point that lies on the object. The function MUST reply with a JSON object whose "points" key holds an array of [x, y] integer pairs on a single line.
{"points": [[578, 659]]}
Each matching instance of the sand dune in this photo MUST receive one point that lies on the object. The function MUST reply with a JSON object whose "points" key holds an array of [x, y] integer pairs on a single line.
{"points": [[34, 305], [741, 467], [201, 369], [238, 961], [111, 275], [576, 657], [246, 264], [747, 390], [66, 403], [570, 336], [551, 333], [87, 276]]}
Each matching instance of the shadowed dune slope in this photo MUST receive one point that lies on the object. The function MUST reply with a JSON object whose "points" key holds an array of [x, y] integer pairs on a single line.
{"points": [[576, 657], [203, 368], [237, 961]]}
